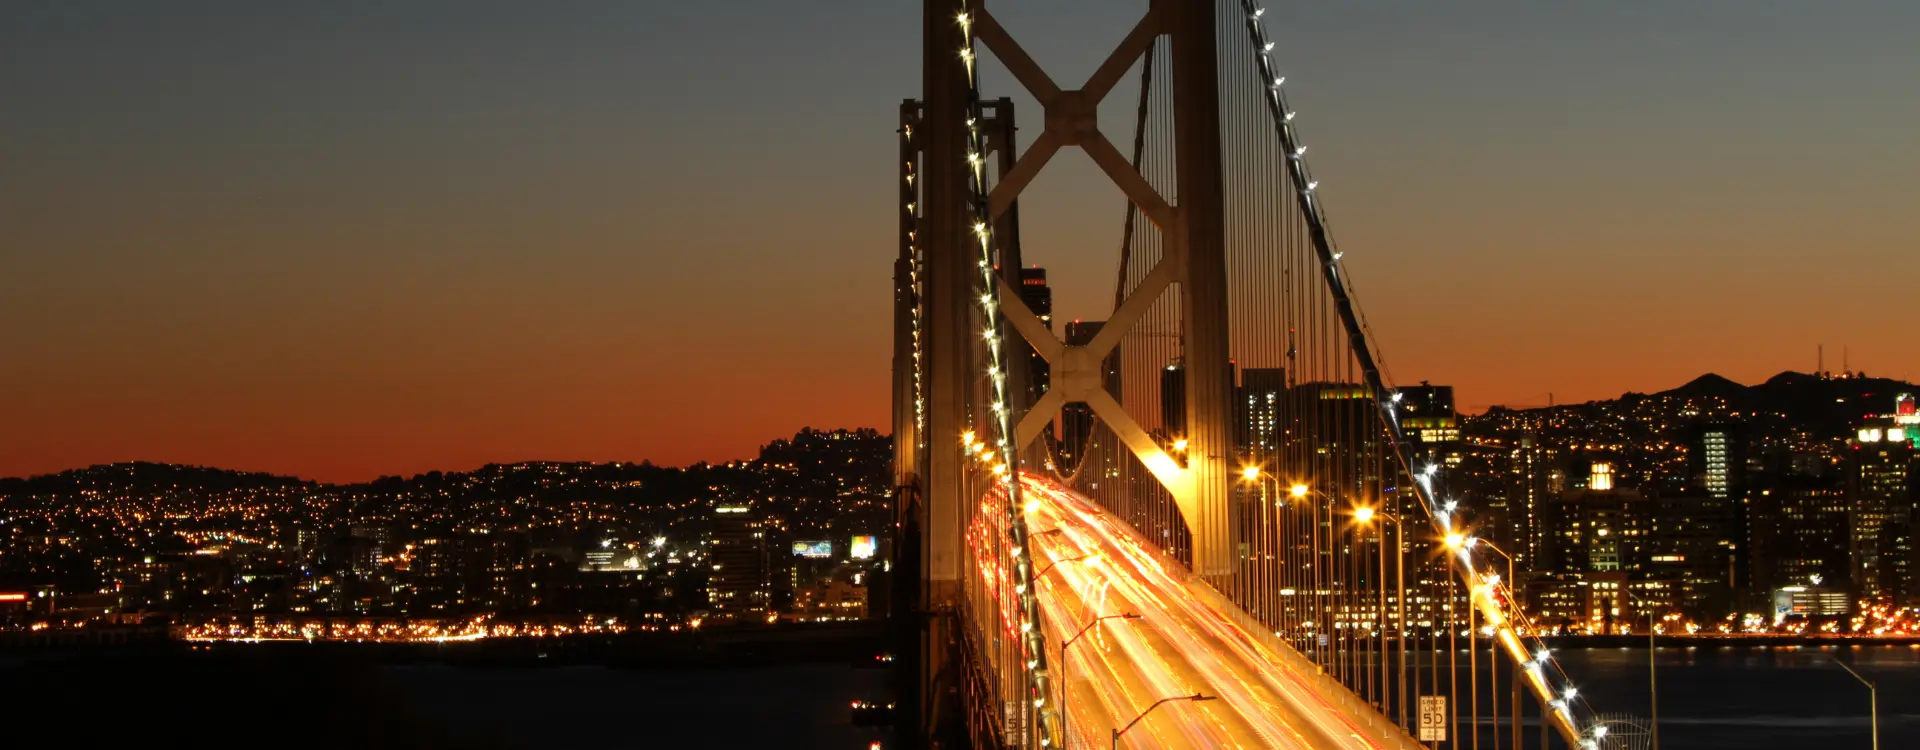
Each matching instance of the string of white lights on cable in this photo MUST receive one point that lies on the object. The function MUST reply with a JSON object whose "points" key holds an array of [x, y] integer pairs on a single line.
{"points": [[1006, 465], [1510, 627], [909, 191]]}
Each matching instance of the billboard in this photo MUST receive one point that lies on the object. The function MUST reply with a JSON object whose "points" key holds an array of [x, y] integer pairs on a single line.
{"points": [[862, 549], [813, 549]]}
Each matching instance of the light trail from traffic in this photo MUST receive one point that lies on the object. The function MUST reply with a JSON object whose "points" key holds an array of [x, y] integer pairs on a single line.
{"points": [[1182, 643]]}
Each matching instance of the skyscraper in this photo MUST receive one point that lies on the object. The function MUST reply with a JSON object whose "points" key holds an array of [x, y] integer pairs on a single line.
{"points": [[1261, 401], [1426, 414], [738, 586], [1799, 533], [1039, 298], [1173, 400], [1882, 491], [1076, 420], [1717, 466]]}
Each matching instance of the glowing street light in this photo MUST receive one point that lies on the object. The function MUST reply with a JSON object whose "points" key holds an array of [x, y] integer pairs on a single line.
{"points": [[1196, 697], [1364, 515], [1298, 491], [1066, 686], [1049, 566]]}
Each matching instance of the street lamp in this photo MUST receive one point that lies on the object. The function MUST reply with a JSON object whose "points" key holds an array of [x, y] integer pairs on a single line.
{"points": [[1365, 514], [1653, 684], [1049, 566], [1066, 686], [1513, 585], [1873, 700], [1261, 478], [1196, 697]]}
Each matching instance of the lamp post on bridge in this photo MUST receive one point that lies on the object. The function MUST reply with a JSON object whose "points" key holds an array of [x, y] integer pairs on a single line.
{"points": [[1066, 685], [1049, 566], [1196, 697], [1365, 515], [1512, 585], [1299, 492], [1653, 673]]}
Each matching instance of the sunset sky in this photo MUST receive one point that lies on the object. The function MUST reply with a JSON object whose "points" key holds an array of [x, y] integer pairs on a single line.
{"points": [[349, 239]]}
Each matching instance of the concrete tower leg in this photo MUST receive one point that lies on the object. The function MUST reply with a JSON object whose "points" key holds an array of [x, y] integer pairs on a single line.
{"points": [[948, 349], [1196, 112]]}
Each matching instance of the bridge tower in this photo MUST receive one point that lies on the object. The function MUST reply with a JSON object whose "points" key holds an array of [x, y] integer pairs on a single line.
{"points": [[935, 402], [1274, 494]]}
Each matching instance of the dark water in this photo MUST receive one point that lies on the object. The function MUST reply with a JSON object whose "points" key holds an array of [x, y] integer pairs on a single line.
{"points": [[1758, 697], [801, 707], [1711, 697], [1733, 696]]}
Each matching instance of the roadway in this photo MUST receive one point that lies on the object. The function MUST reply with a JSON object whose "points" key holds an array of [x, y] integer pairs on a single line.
{"points": [[1180, 644]]}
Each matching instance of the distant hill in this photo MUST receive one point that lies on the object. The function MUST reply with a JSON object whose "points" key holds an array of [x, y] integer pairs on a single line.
{"points": [[144, 476], [1829, 406]]}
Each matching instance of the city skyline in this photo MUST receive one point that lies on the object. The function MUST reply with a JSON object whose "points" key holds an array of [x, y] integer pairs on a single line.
{"points": [[250, 244]]}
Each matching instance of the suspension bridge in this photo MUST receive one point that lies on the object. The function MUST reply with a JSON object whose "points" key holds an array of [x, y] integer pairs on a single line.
{"points": [[1199, 522]]}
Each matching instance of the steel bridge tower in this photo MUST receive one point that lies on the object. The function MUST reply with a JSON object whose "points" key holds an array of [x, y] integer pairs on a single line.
{"points": [[1275, 512]]}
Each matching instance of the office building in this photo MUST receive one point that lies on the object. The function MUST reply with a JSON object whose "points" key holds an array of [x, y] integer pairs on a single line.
{"points": [[1076, 420], [738, 587], [1173, 400], [1039, 298], [1427, 416], [1881, 489], [1799, 533], [1260, 401]]}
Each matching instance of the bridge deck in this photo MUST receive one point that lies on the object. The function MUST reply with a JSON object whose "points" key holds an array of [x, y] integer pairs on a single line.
{"points": [[1187, 639]]}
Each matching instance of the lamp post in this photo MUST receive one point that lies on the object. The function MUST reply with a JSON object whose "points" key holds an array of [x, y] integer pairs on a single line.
{"points": [[1873, 700], [1196, 697], [1513, 586], [1298, 492], [1049, 566], [1653, 685], [1366, 515], [1064, 684]]}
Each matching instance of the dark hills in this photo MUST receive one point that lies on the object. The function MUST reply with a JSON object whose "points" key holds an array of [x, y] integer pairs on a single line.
{"points": [[1826, 406]]}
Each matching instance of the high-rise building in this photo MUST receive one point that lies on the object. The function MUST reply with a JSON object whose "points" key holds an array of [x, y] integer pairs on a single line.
{"points": [[1596, 530], [1534, 480], [1717, 459], [1039, 298], [1666, 546], [1427, 416], [738, 587], [1076, 420], [1261, 399], [1717, 467], [1173, 400], [1882, 490], [368, 554], [1799, 533]]}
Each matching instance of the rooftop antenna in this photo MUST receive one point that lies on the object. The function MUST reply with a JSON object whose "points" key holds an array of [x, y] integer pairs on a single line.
{"points": [[1821, 367]]}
